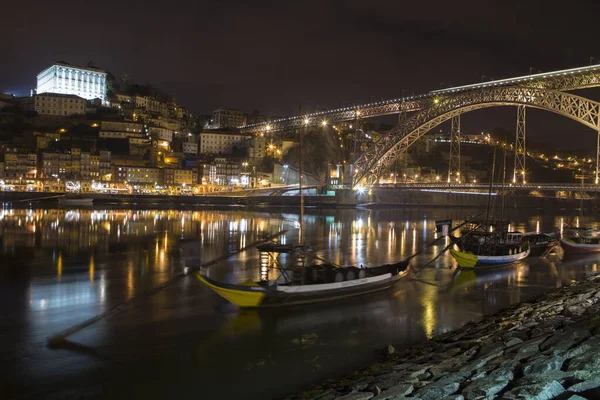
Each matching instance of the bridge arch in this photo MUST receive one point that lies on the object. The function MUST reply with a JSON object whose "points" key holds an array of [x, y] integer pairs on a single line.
{"points": [[370, 166]]}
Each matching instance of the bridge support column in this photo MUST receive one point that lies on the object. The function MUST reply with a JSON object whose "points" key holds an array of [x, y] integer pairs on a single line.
{"points": [[597, 156], [454, 163], [402, 117], [520, 149]]}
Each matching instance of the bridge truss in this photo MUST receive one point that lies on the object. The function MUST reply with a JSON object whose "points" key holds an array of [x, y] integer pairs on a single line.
{"points": [[370, 166], [420, 113]]}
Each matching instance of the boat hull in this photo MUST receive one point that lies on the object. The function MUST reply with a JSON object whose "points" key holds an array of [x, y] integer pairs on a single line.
{"points": [[259, 296], [572, 247], [470, 260]]}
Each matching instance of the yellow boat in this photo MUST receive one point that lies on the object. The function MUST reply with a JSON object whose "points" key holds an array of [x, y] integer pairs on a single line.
{"points": [[470, 260], [353, 282]]}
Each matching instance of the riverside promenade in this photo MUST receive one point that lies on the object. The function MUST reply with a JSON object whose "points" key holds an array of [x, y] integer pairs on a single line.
{"points": [[546, 348]]}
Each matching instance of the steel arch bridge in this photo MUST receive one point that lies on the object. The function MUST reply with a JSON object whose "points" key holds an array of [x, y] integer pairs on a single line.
{"points": [[370, 166]]}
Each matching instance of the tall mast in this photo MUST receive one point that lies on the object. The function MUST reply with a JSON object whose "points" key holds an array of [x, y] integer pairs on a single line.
{"points": [[301, 231], [487, 218], [503, 180]]}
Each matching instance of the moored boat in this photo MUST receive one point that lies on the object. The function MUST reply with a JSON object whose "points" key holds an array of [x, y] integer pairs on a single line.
{"points": [[321, 283], [76, 201], [580, 244], [540, 243], [470, 260]]}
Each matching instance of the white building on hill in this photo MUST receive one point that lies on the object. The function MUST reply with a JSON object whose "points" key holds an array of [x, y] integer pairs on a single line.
{"points": [[61, 77]]}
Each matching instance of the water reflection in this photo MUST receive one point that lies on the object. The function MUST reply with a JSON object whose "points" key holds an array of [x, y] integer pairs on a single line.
{"points": [[64, 266]]}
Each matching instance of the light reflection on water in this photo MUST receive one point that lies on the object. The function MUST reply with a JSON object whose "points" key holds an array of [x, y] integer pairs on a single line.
{"points": [[64, 266]]}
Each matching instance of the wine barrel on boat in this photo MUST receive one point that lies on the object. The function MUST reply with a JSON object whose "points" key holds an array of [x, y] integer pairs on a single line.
{"points": [[352, 273]]}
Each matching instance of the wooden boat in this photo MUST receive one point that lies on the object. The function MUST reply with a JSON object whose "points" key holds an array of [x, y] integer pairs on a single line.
{"points": [[467, 259], [75, 201], [580, 244], [540, 243], [491, 249], [321, 283]]}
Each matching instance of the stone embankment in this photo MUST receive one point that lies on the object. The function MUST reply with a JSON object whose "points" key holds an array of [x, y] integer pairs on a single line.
{"points": [[548, 348]]}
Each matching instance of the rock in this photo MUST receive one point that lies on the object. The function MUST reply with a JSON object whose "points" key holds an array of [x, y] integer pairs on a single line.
{"points": [[512, 342], [390, 349], [473, 365], [436, 391], [528, 346], [484, 387], [459, 377], [492, 349], [395, 392], [566, 339], [405, 366], [586, 385], [565, 378], [539, 391], [453, 352], [592, 344], [419, 370], [553, 363], [589, 361], [577, 299], [576, 397], [454, 397], [356, 396]]}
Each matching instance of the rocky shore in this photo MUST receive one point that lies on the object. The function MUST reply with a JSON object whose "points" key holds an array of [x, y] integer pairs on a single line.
{"points": [[547, 348]]}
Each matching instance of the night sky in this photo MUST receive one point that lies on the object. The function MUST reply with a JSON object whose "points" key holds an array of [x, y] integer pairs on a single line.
{"points": [[275, 56]]}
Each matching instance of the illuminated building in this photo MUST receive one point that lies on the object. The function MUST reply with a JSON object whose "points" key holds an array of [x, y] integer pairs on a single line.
{"points": [[157, 133], [224, 118], [218, 142], [222, 172], [86, 82], [54, 104]]}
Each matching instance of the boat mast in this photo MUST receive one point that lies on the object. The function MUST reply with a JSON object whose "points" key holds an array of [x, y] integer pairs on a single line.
{"points": [[487, 218], [502, 204], [301, 230]]}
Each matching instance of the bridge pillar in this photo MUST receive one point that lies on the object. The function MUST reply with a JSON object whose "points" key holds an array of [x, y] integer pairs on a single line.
{"points": [[402, 117], [454, 163], [520, 149], [597, 156]]}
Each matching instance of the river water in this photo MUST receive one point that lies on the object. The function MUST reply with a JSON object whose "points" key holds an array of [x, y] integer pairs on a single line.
{"points": [[59, 267]]}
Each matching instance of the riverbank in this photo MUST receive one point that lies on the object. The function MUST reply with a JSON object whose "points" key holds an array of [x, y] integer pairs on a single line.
{"points": [[547, 348], [376, 198]]}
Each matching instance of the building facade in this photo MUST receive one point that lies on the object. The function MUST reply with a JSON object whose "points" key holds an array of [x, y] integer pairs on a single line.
{"points": [[86, 82], [226, 118], [121, 130], [54, 104], [212, 142]]}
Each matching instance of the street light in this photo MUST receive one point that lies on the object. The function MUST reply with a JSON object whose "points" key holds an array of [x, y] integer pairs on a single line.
{"points": [[324, 122], [306, 121]]}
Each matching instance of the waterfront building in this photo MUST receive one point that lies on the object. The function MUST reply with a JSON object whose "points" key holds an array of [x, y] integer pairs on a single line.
{"points": [[144, 175], [86, 82], [221, 172], [19, 163], [226, 118], [222, 142]]}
